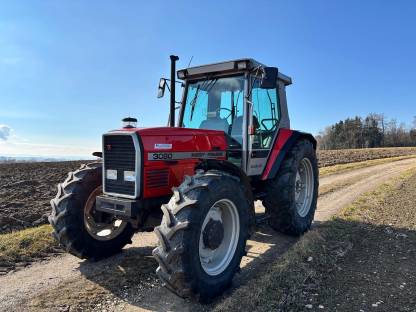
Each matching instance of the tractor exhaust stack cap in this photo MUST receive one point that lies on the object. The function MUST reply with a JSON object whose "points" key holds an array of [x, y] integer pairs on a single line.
{"points": [[129, 122]]}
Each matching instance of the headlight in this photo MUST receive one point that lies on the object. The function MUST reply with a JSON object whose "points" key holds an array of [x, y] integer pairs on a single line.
{"points": [[129, 176], [111, 174]]}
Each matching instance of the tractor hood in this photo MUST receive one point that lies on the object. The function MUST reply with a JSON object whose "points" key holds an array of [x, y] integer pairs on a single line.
{"points": [[174, 139], [159, 158]]}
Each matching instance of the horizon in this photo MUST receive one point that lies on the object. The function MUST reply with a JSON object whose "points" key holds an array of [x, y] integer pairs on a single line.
{"points": [[70, 71]]}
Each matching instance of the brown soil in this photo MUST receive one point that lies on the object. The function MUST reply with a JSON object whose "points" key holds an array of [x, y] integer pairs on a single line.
{"points": [[379, 272], [336, 157], [25, 192]]}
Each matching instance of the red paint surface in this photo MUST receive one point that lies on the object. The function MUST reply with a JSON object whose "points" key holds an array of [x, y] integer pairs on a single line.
{"points": [[282, 137], [182, 140]]}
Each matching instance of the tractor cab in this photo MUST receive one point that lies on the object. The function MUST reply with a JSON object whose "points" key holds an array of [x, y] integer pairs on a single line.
{"points": [[244, 99]]}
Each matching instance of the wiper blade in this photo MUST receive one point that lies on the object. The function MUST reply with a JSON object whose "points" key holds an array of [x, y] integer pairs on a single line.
{"points": [[208, 84], [193, 102]]}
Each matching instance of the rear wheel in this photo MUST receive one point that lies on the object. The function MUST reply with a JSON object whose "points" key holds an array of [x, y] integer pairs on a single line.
{"points": [[203, 234], [79, 228], [292, 195]]}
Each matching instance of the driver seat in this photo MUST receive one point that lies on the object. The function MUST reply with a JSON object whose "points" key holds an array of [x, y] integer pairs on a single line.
{"points": [[215, 123]]}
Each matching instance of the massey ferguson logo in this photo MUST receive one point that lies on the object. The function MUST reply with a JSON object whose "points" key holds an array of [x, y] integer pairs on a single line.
{"points": [[108, 147]]}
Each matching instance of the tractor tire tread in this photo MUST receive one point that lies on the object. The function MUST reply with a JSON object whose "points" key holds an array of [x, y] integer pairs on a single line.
{"points": [[66, 218]]}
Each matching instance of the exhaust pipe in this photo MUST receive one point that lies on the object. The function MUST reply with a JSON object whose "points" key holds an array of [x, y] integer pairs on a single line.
{"points": [[173, 59]]}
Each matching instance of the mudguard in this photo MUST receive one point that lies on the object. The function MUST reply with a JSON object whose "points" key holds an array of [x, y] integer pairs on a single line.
{"points": [[285, 140]]}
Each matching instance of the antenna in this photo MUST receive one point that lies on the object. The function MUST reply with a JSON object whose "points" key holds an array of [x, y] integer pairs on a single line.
{"points": [[190, 61]]}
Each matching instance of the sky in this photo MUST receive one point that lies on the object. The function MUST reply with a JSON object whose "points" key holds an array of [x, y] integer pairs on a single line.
{"points": [[71, 70]]}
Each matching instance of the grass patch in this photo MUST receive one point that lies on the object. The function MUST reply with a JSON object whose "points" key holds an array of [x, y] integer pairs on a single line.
{"points": [[303, 272], [26, 246], [361, 164]]}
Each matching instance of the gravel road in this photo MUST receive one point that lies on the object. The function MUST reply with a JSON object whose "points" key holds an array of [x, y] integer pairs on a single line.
{"points": [[126, 282]]}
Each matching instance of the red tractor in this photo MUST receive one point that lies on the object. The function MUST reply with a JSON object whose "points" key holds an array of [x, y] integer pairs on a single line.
{"points": [[195, 183]]}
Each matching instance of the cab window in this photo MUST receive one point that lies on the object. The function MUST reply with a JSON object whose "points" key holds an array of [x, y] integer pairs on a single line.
{"points": [[216, 104], [266, 116]]}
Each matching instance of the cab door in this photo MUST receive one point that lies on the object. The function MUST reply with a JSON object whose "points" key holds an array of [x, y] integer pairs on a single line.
{"points": [[264, 115]]}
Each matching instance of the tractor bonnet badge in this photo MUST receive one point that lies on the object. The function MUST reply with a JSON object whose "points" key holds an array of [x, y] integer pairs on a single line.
{"points": [[163, 146]]}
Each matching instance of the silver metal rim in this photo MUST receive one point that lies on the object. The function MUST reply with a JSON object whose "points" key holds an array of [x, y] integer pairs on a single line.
{"points": [[102, 231], [304, 187], [216, 261]]}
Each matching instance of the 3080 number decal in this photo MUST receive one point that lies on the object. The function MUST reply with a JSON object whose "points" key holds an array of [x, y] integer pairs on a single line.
{"points": [[161, 156], [185, 155]]}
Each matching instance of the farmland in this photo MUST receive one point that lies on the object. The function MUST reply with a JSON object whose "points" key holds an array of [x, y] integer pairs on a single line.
{"points": [[27, 188], [25, 192], [344, 156]]}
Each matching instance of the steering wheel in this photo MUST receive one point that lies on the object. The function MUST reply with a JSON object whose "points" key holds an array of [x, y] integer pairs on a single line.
{"points": [[274, 120], [218, 110]]}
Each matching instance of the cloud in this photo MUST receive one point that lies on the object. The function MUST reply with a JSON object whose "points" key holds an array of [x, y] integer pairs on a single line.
{"points": [[4, 132], [13, 145], [16, 146]]}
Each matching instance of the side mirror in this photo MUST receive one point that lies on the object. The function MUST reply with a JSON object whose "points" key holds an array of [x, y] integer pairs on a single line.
{"points": [[161, 88], [269, 78]]}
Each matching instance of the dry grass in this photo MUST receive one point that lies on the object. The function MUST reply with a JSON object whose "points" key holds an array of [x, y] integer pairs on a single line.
{"points": [[291, 282], [22, 247]]}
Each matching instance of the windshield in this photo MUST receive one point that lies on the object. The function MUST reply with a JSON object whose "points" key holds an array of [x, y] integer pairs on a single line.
{"points": [[216, 104]]}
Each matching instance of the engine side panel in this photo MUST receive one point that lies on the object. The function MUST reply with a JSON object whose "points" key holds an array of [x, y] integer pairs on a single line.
{"points": [[171, 153]]}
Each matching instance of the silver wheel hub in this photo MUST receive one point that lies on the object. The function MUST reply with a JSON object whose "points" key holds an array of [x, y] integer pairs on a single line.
{"points": [[101, 226], [304, 187], [219, 237]]}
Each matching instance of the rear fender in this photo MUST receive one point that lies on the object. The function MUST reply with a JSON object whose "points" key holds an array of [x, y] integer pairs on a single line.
{"points": [[284, 142]]}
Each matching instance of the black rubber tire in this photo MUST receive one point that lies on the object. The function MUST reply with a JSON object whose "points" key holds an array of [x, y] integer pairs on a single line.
{"points": [[280, 192], [178, 252], [67, 217]]}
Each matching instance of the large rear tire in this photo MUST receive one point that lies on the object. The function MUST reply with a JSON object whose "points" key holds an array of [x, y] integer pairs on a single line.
{"points": [[203, 234], [291, 197], [80, 229]]}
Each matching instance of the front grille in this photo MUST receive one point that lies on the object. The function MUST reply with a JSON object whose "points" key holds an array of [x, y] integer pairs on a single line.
{"points": [[157, 178], [120, 155]]}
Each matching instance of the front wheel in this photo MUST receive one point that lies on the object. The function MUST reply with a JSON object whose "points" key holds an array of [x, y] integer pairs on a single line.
{"points": [[79, 228], [291, 197], [203, 234]]}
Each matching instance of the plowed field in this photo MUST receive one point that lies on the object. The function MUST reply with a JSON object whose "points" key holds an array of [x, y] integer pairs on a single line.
{"points": [[27, 188]]}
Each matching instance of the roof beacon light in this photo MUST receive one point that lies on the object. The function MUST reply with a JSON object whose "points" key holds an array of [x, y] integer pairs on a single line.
{"points": [[129, 122]]}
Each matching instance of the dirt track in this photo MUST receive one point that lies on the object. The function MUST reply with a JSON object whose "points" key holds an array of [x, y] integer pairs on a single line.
{"points": [[127, 282]]}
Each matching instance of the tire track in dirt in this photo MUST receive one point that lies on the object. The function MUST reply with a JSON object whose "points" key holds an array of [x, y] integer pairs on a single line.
{"points": [[39, 286]]}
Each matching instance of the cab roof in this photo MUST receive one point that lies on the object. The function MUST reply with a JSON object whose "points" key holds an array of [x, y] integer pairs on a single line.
{"points": [[242, 64]]}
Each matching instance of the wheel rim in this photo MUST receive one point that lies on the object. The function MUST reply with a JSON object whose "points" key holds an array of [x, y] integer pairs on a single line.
{"points": [[100, 225], [213, 260], [304, 187]]}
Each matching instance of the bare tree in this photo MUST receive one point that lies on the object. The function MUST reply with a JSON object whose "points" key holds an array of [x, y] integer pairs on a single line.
{"points": [[372, 131]]}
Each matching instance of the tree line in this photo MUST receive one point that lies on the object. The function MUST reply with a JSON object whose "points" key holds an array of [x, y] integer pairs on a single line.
{"points": [[375, 130]]}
